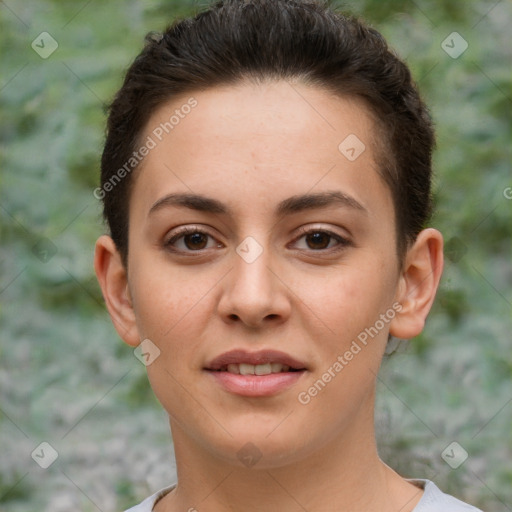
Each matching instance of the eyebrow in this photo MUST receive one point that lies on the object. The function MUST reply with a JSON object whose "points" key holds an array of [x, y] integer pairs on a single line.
{"points": [[293, 204]]}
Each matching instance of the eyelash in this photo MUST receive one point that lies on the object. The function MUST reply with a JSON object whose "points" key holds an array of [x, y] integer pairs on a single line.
{"points": [[342, 241]]}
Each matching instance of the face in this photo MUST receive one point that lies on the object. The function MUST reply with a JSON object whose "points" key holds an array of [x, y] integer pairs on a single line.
{"points": [[257, 244]]}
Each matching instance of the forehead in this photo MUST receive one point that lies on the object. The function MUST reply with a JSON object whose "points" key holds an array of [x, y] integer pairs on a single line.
{"points": [[264, 141]]}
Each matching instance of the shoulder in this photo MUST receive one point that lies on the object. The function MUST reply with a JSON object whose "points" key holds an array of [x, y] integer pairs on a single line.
{"points": [[148, 504], [434, 500]]}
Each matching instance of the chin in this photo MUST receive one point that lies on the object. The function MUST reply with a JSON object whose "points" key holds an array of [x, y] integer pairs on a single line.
{"points": [[258, 447]]}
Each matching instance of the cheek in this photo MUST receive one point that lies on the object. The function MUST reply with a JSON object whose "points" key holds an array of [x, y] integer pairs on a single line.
{"points": [[169, 306], [346, 300], [348, 358], [171, 310]]}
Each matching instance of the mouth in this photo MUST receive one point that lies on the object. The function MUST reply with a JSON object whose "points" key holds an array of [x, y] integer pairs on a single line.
{"points": [[256, 374], [262, 362], [256, 369]]}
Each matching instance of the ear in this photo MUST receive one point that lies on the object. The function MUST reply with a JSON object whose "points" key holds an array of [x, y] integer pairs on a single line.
{"points": [[418, 284], [113, 280]]}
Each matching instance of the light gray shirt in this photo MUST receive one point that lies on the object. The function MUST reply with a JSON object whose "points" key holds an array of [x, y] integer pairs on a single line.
{"points": [[433, 500]]}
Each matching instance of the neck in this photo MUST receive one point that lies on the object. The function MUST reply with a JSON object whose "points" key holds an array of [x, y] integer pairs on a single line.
{"points": [[344, 474]]}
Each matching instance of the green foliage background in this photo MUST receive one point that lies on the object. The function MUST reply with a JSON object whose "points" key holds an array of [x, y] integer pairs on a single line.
{"points": [[66, 378]]}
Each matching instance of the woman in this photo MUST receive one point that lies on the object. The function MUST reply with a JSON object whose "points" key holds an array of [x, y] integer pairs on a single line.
{"points": [[266, 181]]}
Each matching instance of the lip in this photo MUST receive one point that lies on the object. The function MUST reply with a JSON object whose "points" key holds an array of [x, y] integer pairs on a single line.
{"points": [[255, 385], [260, 357]]}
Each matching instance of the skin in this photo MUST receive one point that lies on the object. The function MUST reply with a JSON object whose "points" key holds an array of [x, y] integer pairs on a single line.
{"points": [[250, 147]]}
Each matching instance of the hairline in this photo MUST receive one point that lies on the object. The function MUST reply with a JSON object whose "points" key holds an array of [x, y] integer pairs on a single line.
{"points": [[384, 159]]}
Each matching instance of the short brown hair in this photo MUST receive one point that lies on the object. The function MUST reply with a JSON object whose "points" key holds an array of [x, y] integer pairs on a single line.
{"points": [[276, 39]]}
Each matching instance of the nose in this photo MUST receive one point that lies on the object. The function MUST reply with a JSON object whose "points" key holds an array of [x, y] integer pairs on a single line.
{"points": [[254, 292]]}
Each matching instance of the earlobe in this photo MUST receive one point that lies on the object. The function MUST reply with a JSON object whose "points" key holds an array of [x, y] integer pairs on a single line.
{"points": [[112, 277], [418, 284]]}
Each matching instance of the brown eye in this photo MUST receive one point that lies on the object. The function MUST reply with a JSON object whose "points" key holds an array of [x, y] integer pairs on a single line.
{"points": [[195, 241], [190, 240], [318, 240]]}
